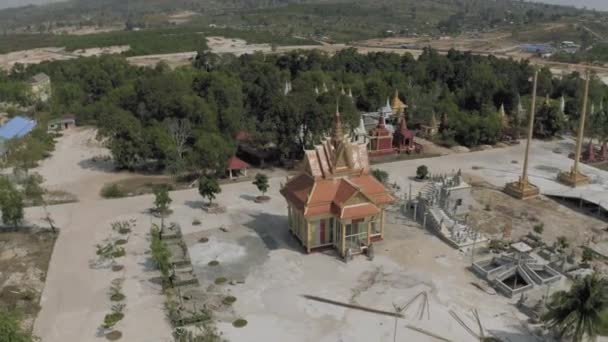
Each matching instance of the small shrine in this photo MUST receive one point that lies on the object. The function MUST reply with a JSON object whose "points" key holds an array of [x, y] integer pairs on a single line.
{"points": [[381, 139]]}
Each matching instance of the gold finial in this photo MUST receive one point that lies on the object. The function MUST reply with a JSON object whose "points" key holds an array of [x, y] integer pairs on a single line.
{"points": [[338, 133]]}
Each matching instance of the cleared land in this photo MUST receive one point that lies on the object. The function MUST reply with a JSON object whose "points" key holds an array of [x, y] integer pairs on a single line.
{"points": [[24, 260], [270, 271]]}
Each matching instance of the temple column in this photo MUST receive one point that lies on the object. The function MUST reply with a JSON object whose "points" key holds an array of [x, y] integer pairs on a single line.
{"points": [[307, 236], [523, 189], [574, 177]]}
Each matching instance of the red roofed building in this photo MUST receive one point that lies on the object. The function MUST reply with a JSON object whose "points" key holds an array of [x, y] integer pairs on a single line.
{"points": [[236, 166], [404, 138], [336, 202], [380, 139]]}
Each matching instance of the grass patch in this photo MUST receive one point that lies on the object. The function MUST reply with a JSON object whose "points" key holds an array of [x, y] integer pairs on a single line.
{"points": [[116, 268], [117, 297], [239, 323], [213, 263], [112, 318], [114, 335], [113, 191], [220, 280], [229, 300]]}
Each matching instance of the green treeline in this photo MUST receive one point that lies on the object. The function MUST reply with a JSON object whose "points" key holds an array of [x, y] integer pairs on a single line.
{"points": [[186, 119]]}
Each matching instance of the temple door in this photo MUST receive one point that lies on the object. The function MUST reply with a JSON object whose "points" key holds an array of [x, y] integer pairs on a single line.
{"points": [[322, 232]]}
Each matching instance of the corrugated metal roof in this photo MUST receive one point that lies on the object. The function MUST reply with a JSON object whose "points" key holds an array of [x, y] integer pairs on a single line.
{"points": [[17, 127]]}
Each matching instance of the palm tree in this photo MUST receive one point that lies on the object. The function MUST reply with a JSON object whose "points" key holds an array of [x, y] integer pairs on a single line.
{"points": [[577, 313]]}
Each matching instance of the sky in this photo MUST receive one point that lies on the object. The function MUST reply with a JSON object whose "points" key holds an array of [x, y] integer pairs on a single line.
{"points": [[597, 4]]}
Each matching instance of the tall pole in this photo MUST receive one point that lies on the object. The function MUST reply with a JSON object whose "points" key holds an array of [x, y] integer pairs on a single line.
{"points": [[524, 177], [581, 126]]}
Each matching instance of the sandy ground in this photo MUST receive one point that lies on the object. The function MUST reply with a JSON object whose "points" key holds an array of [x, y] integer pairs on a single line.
{"points": [[35, 56], [79, 165], [276, 273]]}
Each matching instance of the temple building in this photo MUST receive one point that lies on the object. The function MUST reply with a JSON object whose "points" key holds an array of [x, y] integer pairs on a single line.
{"points": [[336, 202], [403, 139], [381, 139]]}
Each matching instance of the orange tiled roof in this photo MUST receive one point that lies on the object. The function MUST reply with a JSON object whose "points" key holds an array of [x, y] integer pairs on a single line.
{"points": [[356, 211], [337, 170]]}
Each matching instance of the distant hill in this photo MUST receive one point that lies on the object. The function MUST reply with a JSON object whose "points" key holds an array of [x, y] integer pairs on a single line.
{"points": [[21, 3], [601, 5]]}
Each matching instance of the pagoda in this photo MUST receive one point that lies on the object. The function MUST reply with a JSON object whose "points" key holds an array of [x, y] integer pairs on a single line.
{"points": [[381, 139], [397, 105], [403, 138], [335, 202]]}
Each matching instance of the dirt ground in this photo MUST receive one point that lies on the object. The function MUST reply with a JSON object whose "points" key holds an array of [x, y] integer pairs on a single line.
{"points": [[557, 219], [24, 260]]}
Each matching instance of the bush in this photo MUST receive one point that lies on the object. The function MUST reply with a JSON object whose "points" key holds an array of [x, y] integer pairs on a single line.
{"points": [[229, 300], [113, 191], [422, 172], [380, 175], [27, 295], [539, 228], [111, 319], [220, 280], [239, 323], [196, 222], [213, 263]]}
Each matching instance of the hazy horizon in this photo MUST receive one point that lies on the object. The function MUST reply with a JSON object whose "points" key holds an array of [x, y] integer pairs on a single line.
{"points": [[597, 4]]}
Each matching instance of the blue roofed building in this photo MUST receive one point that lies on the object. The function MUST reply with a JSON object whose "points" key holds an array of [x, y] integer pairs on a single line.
{"points": [[17, 127]]}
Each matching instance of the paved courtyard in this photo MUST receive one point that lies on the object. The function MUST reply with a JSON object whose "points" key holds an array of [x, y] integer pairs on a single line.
{"points": [[275, 273]]}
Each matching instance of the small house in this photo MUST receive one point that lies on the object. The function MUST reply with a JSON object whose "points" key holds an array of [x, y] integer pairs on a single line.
{"points": [[63, 123]]}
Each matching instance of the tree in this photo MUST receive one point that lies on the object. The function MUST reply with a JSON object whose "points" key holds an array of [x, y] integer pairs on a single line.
{"points": [[180, 131], [11, 203], [261, 182], [208, 187], [162, 199], [33, 190], [422, 172], [587, 255], [577, 313], [380, 175], [10, 329]]}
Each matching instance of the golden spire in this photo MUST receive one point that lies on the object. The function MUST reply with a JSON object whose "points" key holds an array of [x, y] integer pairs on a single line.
{"points": [[338, 133], [397, 105]]}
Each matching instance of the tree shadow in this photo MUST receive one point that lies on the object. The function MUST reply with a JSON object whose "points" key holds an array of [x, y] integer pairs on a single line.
{"points": [[194, 204], [518, 336], [273, 231], [248, 197], [97, 164]]}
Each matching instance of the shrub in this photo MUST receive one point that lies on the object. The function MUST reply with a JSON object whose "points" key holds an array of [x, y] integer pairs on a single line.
{"points": [[539, 228], [121, 242], [213, 263], [239, 323], [113, 191], [229, 300], [220, 280], [380, 175], [196, 222], [422, 172], [204, 239], [27, 295]]}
